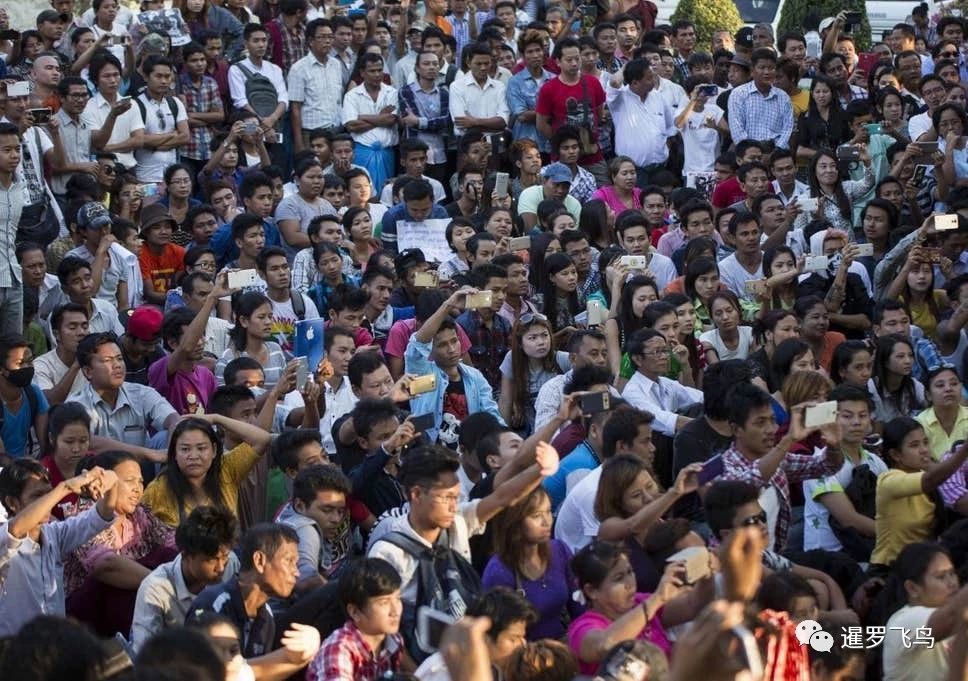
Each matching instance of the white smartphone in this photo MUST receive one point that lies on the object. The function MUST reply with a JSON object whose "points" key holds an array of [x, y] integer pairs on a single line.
{"points": [[243, 278], [816, 263], [808, 204], [943, 223], [596, 315], [820, 414], [519, 243], [635, 262], [696, 559], [431, 625], [20, 89], [865, 250], [501, 185]]}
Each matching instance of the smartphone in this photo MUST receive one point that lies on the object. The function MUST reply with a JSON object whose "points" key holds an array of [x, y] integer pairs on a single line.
{"points": [[423, 423], [943, 223], [589, 16], [20, 89], [122, 100], [751, 651], [478, 300], [243, 278], [595, 403], [865, 250], [149, 190], [816, 263], [708, 90], [427, 279], [808, 204], [9, 34], [520, 243], [848, 152], [874, 128], [41, 115], [250, 128], [919, 174], [271, 138], [696, 559], [501, 186], [755, 286], [302, 372], [596, 313], [431, 625], [820, 414], [932, 255], [423, 384], [851, 21], [119, 40], [866, 61], [926, 149], [634, 262], [711, 470]]}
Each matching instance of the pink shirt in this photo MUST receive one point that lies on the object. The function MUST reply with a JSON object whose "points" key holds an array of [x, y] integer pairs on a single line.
{"points": [[608, 195], [186, 391], [400, 334], [590, 621]]}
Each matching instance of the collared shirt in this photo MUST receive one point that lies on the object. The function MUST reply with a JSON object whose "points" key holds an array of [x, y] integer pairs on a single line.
{"points": [[137, 409], [469, 98], [359, 101], [522, 93], [765, 118], [163, 599], [489, 344], [345, 655], [237, 81], [291, 45], [76, 138], [855, 92], [403, 69], [583, 185], [338, 402], [11, 204], [433, 109], [103, 319], [939, 440], [96, 114], [226, 599], [318, 87], [346, 59], [32, 573], [799, 189], [796, 467], [204, 98], [641, 127], [662, 399]]}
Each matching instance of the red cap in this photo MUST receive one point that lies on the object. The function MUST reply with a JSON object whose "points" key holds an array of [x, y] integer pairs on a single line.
{"points": [[145, 323]]}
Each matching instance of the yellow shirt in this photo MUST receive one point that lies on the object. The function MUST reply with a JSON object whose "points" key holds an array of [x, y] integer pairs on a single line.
{"points": [[801, 102], [921, 313], [236, 465], [905, 514], [939, 440]]}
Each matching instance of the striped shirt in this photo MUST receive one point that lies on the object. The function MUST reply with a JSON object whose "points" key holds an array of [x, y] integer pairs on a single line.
{"points": [[11, 205]]}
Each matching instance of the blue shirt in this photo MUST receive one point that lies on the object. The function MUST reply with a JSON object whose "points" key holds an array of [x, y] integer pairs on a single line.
{"points": [[16, 427], [582, 457], [224, 245], [522, 92], [399, 214]]}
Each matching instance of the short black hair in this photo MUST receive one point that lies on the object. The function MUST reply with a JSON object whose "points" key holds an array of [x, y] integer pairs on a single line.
{"points": [[721, 501], [58, 315], [173, 326], [14, 478], [622, 426], [743, 399], [69, 266], [319, 478], [224, 399], [89, 345], [362, 364], [368, 413], [367, 578], [283, 449], [266, 538], [240, 364], [718, 379], [505, 607], [206, 530], [424, 465]]}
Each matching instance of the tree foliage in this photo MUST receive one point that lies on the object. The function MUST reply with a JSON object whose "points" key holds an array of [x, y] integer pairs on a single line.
{"points": [[795, 12], [708, 16]]}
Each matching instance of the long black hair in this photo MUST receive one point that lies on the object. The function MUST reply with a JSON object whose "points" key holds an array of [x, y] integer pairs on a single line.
{"points": [[176, 480], [244, 305]]}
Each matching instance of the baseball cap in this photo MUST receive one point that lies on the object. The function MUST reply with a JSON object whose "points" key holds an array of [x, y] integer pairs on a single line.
{"points": [[557, 172], [417, 26], [152, 214], [407, 259], [741, 61], [744, 37], [93, 215], [145, 323], [49, 16]]}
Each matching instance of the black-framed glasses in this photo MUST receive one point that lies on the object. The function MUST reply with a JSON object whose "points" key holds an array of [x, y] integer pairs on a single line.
{"points": [[758, 519]]}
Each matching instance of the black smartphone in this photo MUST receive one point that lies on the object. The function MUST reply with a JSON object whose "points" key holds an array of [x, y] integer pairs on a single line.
{"points": [[595, 403], [424, 422]]}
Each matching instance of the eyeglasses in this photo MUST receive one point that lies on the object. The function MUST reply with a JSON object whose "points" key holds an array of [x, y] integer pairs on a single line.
{"points": [[658, 353], [529, 317], [78, 95], [948, 55], [445, 499], [758, 519], [109, 170], [181, 180]]}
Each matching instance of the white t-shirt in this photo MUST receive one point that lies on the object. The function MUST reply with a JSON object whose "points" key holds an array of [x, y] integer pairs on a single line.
{"points": [[918, 663], [735, 276], [158, 120], [49, 370], [577, 525], [96, 113], [742, 350], [701, 143]]}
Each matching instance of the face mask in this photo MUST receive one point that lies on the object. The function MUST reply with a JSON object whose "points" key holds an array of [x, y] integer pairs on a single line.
{"points": [[21, 377]]}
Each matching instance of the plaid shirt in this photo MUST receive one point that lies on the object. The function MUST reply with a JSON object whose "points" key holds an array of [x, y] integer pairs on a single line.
{"points": [[583, 185], [764, 118], [345, 656], [796, 467], [488, 345], [286, 46], [202, 99]]}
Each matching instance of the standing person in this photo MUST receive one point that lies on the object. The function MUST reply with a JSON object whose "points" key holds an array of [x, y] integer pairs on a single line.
{"points": [[370, 114], [287, 34], [522, 90], [203, 105], [425, 113], [759, 110], [479, 101], [11, 205], [116, 126], [315, 86], [75, 135], [248, 78], [165, 121]]}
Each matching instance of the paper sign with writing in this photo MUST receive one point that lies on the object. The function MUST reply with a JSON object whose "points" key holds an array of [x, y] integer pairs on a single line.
{"points": [[429, 236]]}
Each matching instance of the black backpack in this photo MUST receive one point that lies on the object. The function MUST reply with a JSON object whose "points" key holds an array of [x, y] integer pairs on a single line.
{"points": [[446, 581], [172, 106], [260, 93], [298, 304]]}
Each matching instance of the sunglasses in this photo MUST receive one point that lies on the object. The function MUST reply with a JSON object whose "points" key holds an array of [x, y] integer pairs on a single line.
{"points": [[529, 317], [758, 519]]}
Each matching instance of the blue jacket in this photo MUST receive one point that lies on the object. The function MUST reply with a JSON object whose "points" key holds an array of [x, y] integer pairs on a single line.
{"points": [[224, 245], [476, 388], [399, 214]]}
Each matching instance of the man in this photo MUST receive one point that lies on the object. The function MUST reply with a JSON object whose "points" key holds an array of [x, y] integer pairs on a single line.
{"points": [[165, 121], [758, 458], [587, 99], [195, 289], [754, 182], [256, 194], [417, 205], [315, 86], [338, 392], [160, 259], [45, 77], [606, 40], [696, 219], [77, 284], [140, 344], [522, 90], [121, 412], [257, 44], [650, 390], [633, 235], [109, 260], [203, 105], [747, 261], [933, 92], [737, 74], [586, 347], [490, 333], [204, 539], [116, 126], [216, 66], [75, 134], [378, 315], [370, 115], [684, 37], [728, 191], [288, 305], [643, 124], [785, 184], [627, 29], [556, 181], [268, 558], [792, 45], [479, 101], [834, 67], [425, 113], [287, 34], [759, 110], [566, 145], [577, 246], [413, 159], [763, 36], [57, 372], [51, 26], [470, 180]]}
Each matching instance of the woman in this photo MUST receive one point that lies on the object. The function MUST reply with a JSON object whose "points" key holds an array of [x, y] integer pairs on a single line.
{"points": [[203, 15], [853, 364], [789, 356], [197, 259], [879, 220], [457, 233], [908, 503], [358, 225], [198, 473], [834, 192], [951, 124], [500, 223], [914, 286], [69, 435], [296, 211], [530, 363], [695, 248], [561, 221], [629, 502], [946, 420], [815, 329], [686, 315], [636, 294], [925, 598], [542, 245], [824, 125], [769, 331], [178, 200], [889, 112], [617, 613], [597, 222], [330, 274], [359, 191], [127, 201], [559, 295], [252, 314], [622, 194], [21, 64], [702, 281], [781, 272], [102, 577], [730, 339], [896, 392], [609, 273], [527, 559]]}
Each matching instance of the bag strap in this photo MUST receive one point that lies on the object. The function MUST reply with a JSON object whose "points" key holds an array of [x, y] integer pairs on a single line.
{"points": [[298, 304], [586, 100], [248, 72], [408, 544]]}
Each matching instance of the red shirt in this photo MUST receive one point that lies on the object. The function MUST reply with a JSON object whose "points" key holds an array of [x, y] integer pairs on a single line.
{"points": [[553, 100], [727, 193]]}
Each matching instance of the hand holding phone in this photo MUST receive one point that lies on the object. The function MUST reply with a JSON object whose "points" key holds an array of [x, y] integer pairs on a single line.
{"points": [[821, 414]]}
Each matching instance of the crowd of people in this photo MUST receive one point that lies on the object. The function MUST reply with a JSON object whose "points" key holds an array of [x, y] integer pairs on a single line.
{"points": [[522, 341]]}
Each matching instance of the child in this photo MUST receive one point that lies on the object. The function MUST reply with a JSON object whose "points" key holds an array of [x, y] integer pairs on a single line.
{"points": [[330, 274], [368, 647], [305, 272], [69, 434], [128, 235], [700, 122], [162, 260]]}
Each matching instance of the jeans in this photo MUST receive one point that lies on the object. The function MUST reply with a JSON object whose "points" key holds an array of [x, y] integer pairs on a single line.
{"points": [[12, 309]]}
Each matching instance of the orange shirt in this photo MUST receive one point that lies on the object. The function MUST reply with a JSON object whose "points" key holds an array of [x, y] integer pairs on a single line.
{"points": [[161, 269], [831, 340], [444, 25]]}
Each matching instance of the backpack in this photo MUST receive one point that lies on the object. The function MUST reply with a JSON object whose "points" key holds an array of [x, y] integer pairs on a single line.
{"points": [[446, 581], [298, 304], [172, 106], [259, 92]]}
